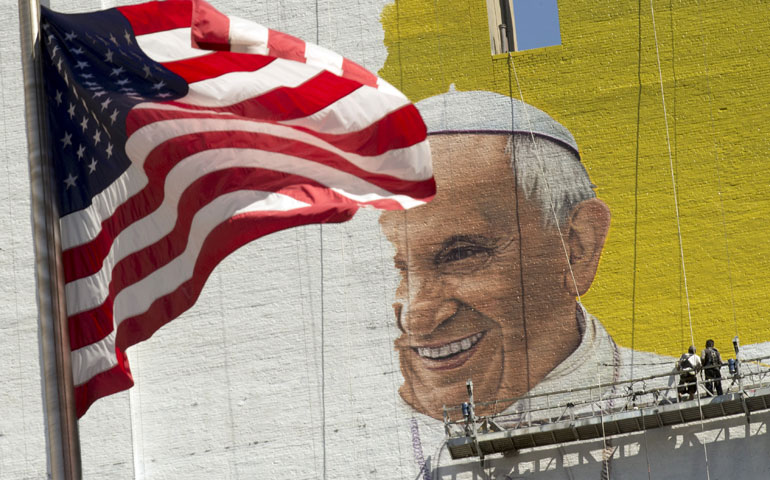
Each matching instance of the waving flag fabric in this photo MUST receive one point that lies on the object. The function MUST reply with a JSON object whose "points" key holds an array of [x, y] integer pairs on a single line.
{"points": [[180, 134]]}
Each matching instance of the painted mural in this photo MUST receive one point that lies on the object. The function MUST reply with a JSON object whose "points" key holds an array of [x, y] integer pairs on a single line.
{"points": [[491, 268], [554, 257]]}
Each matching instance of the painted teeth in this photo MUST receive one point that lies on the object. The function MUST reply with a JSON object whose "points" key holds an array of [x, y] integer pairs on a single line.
{"points": [[450, 348]]}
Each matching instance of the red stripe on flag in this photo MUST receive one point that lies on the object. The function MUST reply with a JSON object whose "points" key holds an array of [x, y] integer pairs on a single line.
{"points": [[217, 64], [286, 46], [398, 129], [282, 103], [354, 71], [210, 27], [114, 380], [90, 326], [153, 17]]}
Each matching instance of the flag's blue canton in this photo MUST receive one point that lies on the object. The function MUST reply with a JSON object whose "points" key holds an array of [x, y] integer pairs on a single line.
{"points": [[94, 73]]}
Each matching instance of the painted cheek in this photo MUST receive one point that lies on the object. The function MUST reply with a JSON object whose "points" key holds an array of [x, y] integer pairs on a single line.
{"points": [[491, 294]]}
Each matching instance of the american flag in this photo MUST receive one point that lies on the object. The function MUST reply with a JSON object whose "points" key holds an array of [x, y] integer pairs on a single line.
{"points": [[178, 134]]}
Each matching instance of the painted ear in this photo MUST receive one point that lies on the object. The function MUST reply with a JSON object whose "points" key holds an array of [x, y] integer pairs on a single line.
{"points": [[589, 222]]}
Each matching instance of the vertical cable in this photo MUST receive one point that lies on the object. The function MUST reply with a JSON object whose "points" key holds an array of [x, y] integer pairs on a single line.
{"points": [[678, 223], [539, 156], [512, 67], [607, 450], [636, 186], [137, 424], [673, 175], [323, 340], [307, 334], [323, 359], [225, 352], [393, 368]]}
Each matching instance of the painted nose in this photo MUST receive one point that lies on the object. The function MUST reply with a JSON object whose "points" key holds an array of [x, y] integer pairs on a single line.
{"points": [[425, 312]]}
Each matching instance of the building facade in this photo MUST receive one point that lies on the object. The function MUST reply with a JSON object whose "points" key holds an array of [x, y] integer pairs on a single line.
{"points": [[294, 362]]}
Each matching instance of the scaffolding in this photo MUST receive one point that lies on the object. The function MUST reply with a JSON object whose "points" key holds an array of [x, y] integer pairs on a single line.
{"points": [[549, 419]]}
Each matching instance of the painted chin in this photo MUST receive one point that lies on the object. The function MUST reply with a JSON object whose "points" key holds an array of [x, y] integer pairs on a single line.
{"points": [[450, 355]]}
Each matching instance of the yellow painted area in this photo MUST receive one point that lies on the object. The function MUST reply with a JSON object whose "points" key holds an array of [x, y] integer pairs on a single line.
{"points": [[603, 84]]}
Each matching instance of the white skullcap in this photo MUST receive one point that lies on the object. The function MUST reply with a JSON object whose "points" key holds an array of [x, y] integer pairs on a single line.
{"points": [[488, 112]]}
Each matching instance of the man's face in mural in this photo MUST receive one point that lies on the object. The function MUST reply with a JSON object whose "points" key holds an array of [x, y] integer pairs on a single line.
{"points": [[485, 291]]}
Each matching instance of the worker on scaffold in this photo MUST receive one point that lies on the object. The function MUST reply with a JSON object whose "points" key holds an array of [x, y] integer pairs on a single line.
{"points": [[712, 364], [688, 366]]}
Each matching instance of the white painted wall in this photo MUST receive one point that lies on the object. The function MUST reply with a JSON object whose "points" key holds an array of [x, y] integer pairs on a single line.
{"points": [[250, 383]]}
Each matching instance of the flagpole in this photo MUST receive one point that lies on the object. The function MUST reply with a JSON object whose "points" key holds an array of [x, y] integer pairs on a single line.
{"points": [[62, 440]]}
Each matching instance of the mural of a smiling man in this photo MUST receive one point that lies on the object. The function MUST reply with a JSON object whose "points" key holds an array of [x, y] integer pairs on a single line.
{"points": [[488, 284]]}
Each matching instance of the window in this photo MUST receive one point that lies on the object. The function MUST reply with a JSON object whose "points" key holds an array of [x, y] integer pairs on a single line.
{"points": [[516, 25]]}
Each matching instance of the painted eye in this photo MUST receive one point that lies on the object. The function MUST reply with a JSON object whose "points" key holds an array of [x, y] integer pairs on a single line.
{"points": [[463, 258], [457, 254]]}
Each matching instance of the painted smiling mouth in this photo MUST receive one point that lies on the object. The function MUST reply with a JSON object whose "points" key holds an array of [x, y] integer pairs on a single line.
{"points": [[450, 349]]}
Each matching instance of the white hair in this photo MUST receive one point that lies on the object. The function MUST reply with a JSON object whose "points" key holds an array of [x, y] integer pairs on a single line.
{"points": [[550, 175]]}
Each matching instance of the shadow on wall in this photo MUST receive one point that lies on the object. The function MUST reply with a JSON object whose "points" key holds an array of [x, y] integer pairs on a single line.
{"points": [[734, 448]]}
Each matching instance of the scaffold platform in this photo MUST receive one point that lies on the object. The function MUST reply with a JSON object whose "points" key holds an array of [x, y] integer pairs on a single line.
{"points": [[491, 435]]}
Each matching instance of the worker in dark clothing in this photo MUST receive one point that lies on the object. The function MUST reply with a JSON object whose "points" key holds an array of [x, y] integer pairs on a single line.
{"points": [[712, 364], [688, 367], [466, 409]]}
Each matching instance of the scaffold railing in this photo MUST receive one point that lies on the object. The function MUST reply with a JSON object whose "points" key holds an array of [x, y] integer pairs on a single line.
{"points": [[602, 410]]}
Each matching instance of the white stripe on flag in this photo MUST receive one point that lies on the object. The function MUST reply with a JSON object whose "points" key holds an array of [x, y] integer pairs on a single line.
{"points": [[93, 359], [247, 36], [170, 45], [323, 58], [82, 226], [231, 88], [353, 112]]}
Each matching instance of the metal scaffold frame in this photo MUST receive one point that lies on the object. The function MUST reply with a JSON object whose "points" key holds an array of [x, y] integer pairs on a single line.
{"points": [[549, 422]]}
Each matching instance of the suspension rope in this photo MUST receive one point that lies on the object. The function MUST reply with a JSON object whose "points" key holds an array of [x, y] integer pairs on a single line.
{"points": [[417, 447], [512, 67], [137, 437], [607, 446], [226, 366], [678, 223], [646, 450], [323, 348], [393, 368], [673, 176], [305, 322], [539, 157], [636, 192], [404, 217], [351, 394]]}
